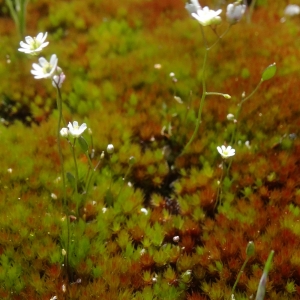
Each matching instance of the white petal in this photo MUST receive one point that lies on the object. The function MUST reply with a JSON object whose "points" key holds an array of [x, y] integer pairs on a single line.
{"points": [[37, 67], [28, 39], [39, 36], [44, 45], [22, 44], [44, 37], [43, 61]]}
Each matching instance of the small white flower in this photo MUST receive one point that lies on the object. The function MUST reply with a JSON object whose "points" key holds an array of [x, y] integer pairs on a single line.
{"points": [[76, 131], [34, 45], [206, 16], [176, 239], [53, 196], [144, 210], [64, 132], [45, 69], [230, 117], [110, 149], [226, 151], [292, 10], [235, 12]]}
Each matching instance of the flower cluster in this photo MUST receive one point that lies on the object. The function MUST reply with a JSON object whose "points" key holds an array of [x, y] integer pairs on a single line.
{"points": [[73, 130], [207, 17], [44, 69]]}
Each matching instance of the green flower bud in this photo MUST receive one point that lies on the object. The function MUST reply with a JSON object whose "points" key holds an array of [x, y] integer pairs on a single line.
{"points": [[132, 160], [250, 250], [269, 72]]}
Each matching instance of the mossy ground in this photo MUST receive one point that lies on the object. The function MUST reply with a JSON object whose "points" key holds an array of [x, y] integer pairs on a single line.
{"points": [[108, 51]]}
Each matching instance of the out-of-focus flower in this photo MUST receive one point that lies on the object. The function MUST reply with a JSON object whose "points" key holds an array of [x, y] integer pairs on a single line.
{"points": [[235, 12], [292, 10], [193, 6], [34, 45], [226, 151], [144, 210], [64, 132], [110, 149], [58, 78], [76, 131], [206, 16], [230, 117], [45, 69]]}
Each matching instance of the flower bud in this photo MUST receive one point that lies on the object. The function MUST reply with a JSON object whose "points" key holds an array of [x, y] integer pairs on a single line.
{"points": [[230, 117], [110, 149], [235, 12], [64, 132], [250, 250], [132, 160]]}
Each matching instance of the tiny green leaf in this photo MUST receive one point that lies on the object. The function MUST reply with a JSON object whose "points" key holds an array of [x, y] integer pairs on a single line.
{"points": [[269, 72], [83, 144]]}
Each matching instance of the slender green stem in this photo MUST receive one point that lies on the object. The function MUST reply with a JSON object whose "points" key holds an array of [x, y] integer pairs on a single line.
{"points": [[239, 276], [65, 209], [202, 98], [76, 176], [250, 12], [233, 136], [219, 37], [126, 174], [219, 192], [204, 93]]}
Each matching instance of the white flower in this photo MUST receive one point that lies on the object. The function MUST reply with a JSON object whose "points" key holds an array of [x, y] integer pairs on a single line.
{"points": [[235, 12], [45, 69], [64, 132], [34, 44], [76, 131], [193, 7], [230, 117], [292, 10], [226, 151], [206, 16]]}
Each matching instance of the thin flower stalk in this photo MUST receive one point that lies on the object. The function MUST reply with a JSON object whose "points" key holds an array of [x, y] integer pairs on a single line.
{"points": [[65, 208]]}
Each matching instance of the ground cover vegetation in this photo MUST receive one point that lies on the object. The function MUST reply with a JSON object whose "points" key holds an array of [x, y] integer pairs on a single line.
{"points": [[141, 215]]}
